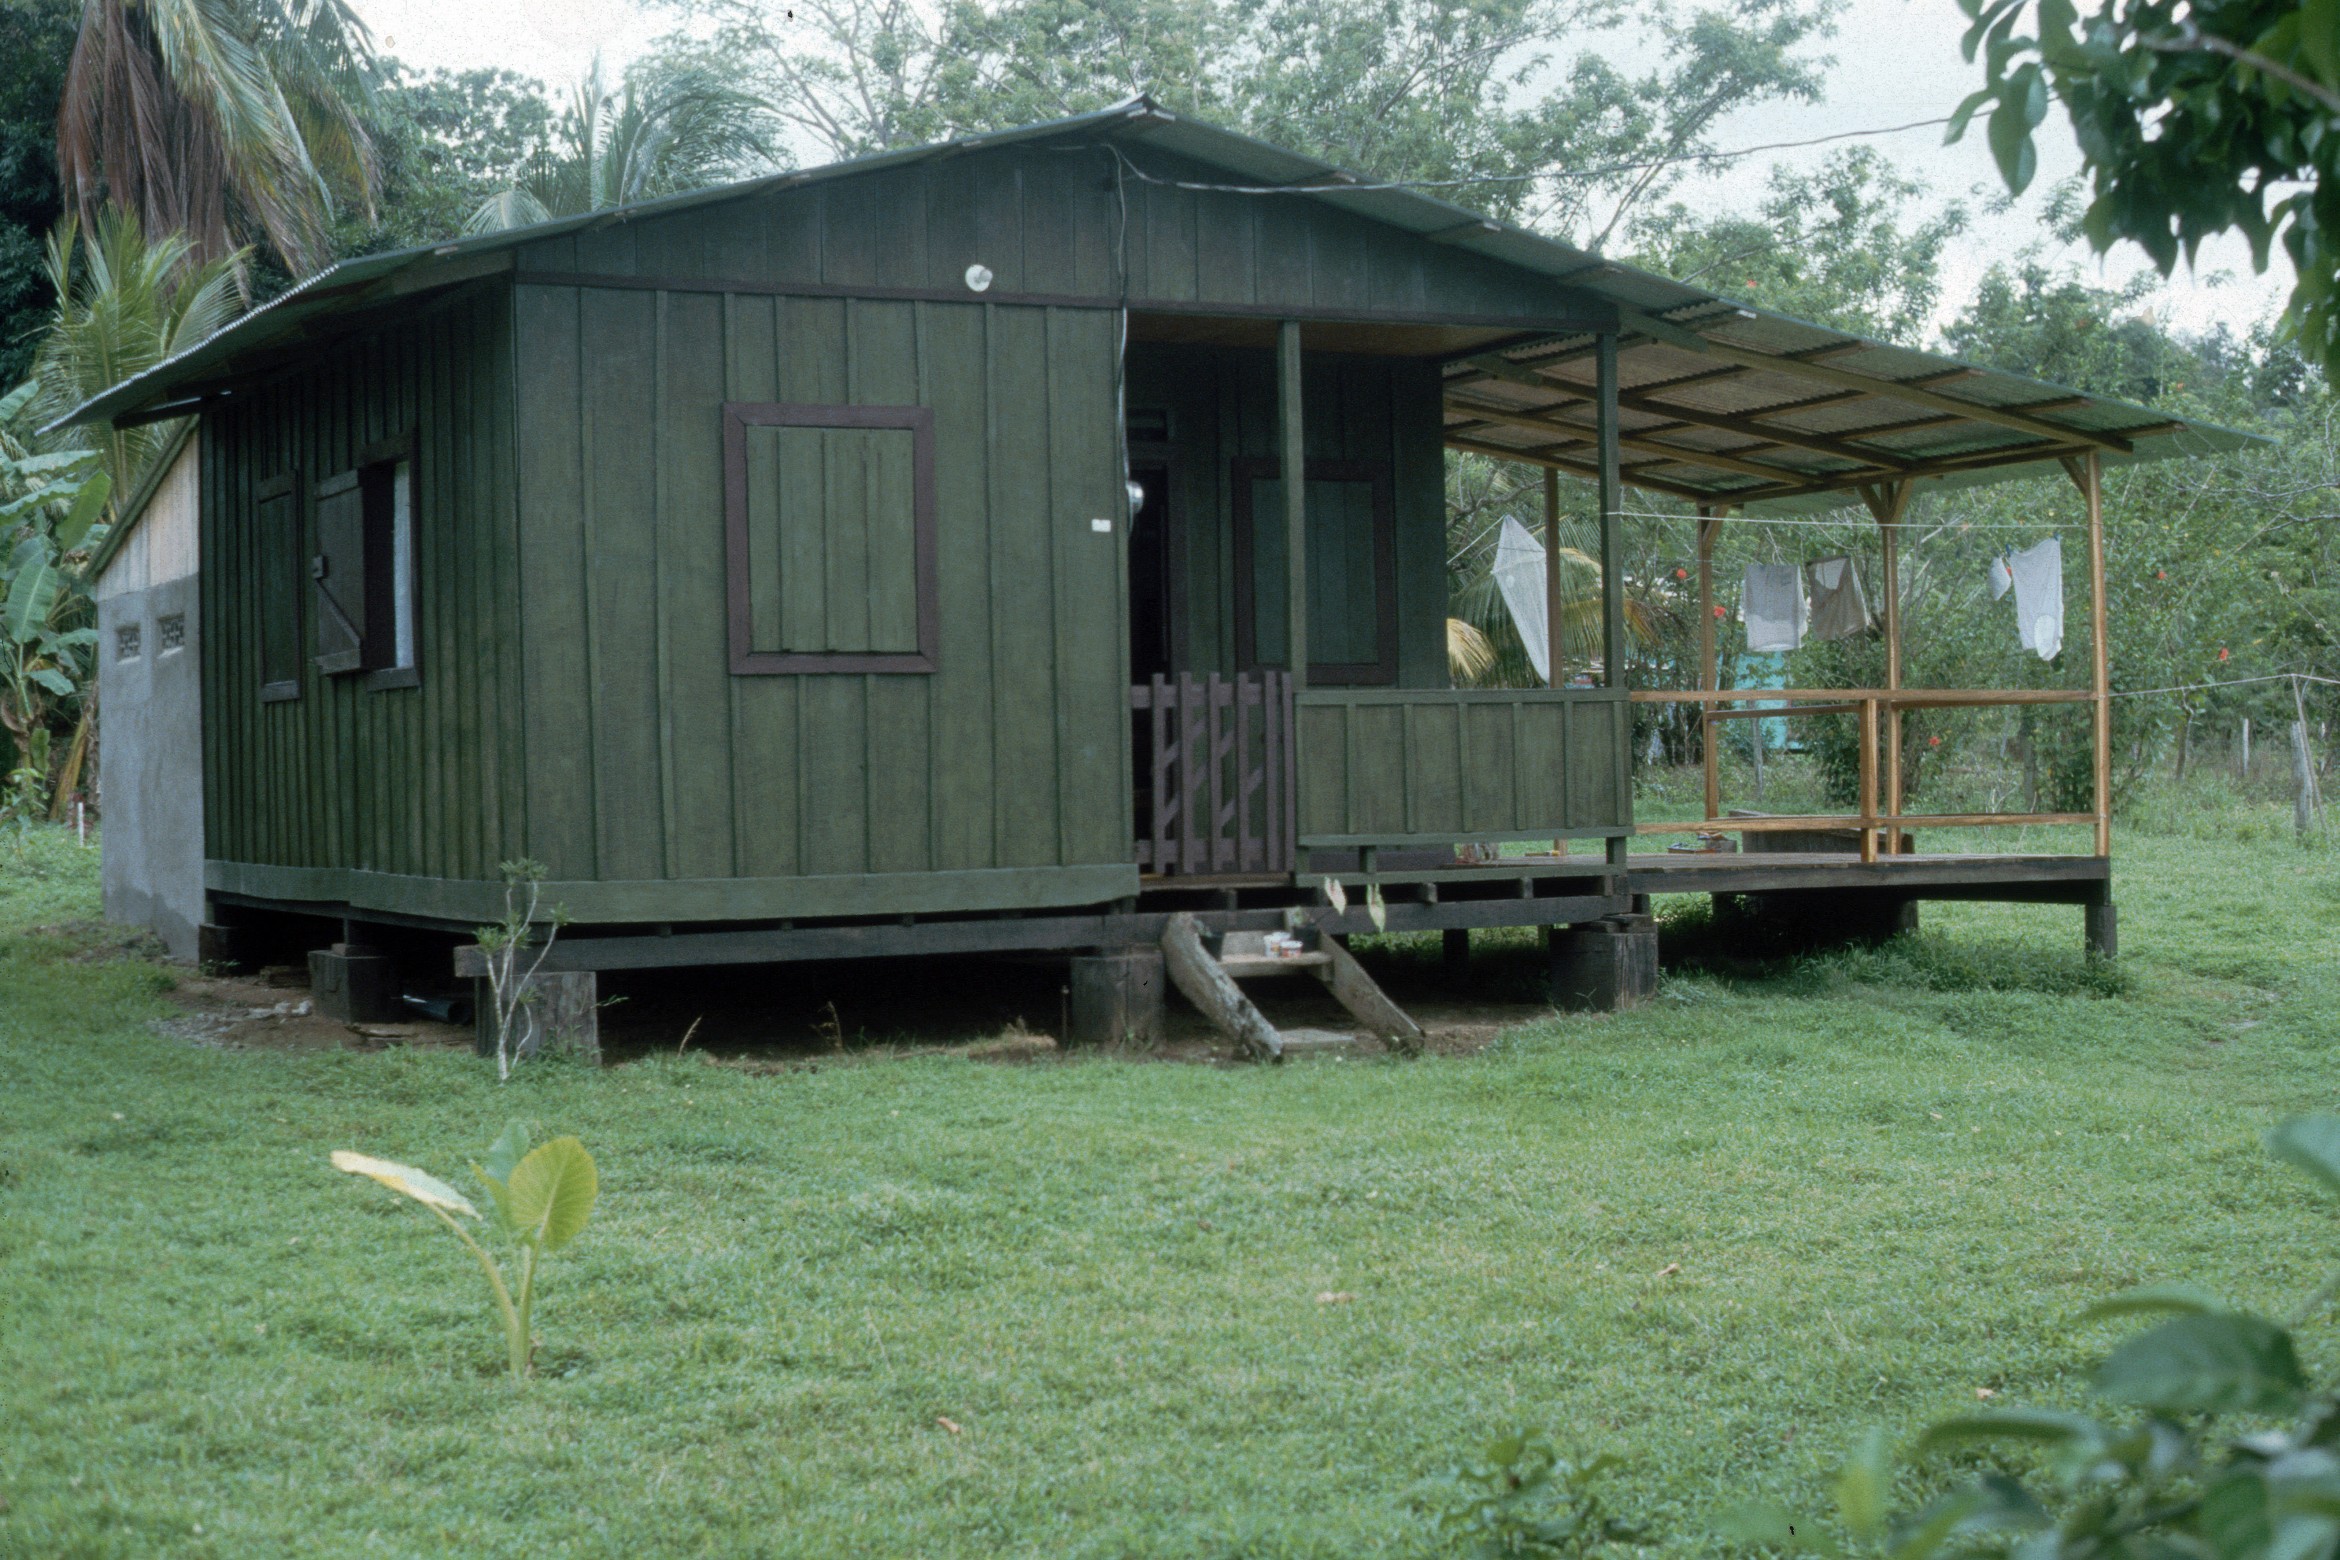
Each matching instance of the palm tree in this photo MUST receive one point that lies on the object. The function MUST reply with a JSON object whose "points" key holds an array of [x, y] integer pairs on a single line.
{"points": [[124, 303], [225, 120], [664, 131]]}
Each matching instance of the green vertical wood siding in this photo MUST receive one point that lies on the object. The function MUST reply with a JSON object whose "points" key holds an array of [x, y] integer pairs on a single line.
{"points": [[1058, 221], [397, 781], [1389, 766], [650, 759]]}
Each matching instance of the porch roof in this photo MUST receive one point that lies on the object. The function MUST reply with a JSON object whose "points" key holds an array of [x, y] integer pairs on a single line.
{"points": [[1721, 402]]}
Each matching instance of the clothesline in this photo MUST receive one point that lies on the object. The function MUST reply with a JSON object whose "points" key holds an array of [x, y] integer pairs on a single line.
{"points": [[2239, 682], [1856, 519]]}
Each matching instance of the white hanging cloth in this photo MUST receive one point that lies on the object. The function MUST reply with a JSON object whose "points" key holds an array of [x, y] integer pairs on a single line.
{"points": [[1772, 606], [2001, 576], [1839, 610], [1519, 575], [2038, 573]]}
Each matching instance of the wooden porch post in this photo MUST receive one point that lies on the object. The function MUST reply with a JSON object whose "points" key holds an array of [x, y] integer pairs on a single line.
{"points": [[1709, 671], [2092, 466], [1889, 502], [2087, 474], [1612, 575], [1551, 577], [1295, 468]]}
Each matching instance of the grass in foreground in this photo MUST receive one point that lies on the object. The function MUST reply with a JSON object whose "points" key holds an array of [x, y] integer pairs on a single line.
{"points": [[1718, 1237]]}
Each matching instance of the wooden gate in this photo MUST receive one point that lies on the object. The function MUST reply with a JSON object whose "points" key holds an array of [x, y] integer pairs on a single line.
{"points": [[1215, 776]]}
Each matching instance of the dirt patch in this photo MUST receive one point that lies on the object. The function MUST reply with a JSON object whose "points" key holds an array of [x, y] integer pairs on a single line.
{"points": [[272, 1010]]}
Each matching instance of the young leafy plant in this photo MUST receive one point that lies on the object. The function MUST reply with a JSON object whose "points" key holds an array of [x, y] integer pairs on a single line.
{"points": [[1520, 1497], [541, 1199]]}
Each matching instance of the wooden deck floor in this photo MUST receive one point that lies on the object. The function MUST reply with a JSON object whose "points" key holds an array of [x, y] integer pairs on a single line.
{"points": [[2053, 878]]}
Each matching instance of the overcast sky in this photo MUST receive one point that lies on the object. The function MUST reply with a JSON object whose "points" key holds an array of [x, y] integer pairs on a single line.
{"points": [[1896, 61]]}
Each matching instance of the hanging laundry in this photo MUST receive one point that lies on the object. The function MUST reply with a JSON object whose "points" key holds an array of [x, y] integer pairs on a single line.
{"points": [[1839, 610], [2001, 576], [1772, 607], [2038, 573], [1519, 575]]}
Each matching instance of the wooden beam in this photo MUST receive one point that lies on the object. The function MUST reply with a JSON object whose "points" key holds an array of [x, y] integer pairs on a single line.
{"points": [[1575, 468], [1292, 438], [1525, 418], [1845, 379]]}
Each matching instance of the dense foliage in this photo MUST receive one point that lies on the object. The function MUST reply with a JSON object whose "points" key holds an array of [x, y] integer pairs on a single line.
{"points": [[2194, 119]]}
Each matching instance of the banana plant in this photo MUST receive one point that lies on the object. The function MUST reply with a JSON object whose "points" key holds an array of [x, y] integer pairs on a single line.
{"points": [[51, 505], [540, 1199]]}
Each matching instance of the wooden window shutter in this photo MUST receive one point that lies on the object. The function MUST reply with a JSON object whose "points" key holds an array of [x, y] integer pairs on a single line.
{"points": [[338, 573], [829, 517], [283, 566]]}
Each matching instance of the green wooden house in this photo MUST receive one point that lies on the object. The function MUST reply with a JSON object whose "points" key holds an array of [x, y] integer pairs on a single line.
{"points": [[908, 553]]}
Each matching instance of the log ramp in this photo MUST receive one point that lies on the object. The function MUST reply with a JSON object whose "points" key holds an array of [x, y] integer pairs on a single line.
{"points": [[1209, 977]]}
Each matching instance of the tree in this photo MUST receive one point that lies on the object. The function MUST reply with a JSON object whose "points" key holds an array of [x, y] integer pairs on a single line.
{"points": [[445, 141], [124, 303], [1837, 246], [1470, 97], [224, 120], [670, 127], [2194, 117], [36, 38], [50, 506]]}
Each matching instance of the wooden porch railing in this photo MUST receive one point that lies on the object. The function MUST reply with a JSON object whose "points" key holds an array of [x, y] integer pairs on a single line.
{"points": [[1869, 705], [1218, 780]]}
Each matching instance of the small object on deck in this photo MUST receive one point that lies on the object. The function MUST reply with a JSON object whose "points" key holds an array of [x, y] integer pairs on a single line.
{"points": [[1117, 998]]}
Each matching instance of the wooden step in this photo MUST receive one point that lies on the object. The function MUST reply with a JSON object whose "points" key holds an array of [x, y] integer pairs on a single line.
{"points": [[1244, 967]]}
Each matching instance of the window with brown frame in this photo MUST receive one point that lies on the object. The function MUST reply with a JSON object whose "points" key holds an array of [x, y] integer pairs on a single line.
{"points": [[829, 538], [363, 569], [1352, 569]]}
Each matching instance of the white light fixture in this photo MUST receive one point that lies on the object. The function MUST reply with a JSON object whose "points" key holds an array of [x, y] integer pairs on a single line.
{"points": [[978, 278]]}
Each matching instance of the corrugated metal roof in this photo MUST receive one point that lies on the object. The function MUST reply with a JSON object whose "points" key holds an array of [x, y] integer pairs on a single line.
{"points": [[1724, 402]]}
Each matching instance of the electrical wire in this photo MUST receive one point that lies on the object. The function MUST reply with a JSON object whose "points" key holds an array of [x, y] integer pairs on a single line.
{"points": [[1473, 180]]}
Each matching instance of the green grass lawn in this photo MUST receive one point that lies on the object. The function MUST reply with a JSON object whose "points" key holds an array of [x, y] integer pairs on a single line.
{"points": [[1718, 1237]]}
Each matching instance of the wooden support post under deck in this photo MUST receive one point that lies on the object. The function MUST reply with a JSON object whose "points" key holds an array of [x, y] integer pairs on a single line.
{"points": [[1709, 670], [1294, 444], [1612, 577]]}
